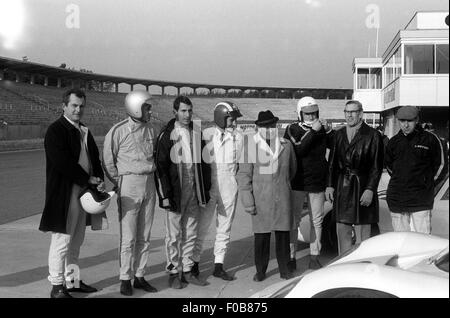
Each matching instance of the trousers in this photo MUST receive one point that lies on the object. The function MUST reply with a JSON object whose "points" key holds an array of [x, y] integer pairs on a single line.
{"points": [[316, 212], [65, 248], [181, 228], [344, 235], [412, 221], [136, 210], [262, 251], [223, 199]]}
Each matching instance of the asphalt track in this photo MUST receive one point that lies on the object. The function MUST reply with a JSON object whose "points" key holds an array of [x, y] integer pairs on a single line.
{"points": [[22, 184], [24, 249]]}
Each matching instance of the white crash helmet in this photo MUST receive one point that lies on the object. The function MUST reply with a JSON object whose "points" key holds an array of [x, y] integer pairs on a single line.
{"points": [[94, 201], [134, 101], [306, 104]]}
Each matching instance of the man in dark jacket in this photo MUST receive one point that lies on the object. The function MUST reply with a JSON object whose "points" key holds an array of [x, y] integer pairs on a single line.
{"points": [[311, 137], [183, 184], [415, 160], [356, 164], [72, 164]]}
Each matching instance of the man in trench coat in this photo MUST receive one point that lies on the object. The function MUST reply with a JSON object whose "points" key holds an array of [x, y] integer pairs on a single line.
{"points": [[73, 162], [264, 181], [355, 167]]}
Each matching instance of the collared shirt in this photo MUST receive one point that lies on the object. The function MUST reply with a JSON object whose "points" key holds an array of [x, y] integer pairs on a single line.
{"points": [[128, 149], [83, 160], [351, 131]]}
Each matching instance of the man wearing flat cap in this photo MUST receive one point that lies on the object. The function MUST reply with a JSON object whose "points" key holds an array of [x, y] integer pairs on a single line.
{"points": [[264, 186], [356, 164], [415, 161]]}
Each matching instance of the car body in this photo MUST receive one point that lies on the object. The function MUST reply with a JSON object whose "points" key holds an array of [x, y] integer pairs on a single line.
{"points": [[394, 264], [439, 219]]}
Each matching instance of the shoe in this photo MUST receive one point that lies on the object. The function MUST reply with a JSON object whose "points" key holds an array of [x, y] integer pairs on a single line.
{"points": [[125, 287], [287, 275], [59, 291], [221, 273], [141, 283], [82, 289], [189, 278], [175, 282], [314, 262], [259, 277], [195, 270], [292, 265]]}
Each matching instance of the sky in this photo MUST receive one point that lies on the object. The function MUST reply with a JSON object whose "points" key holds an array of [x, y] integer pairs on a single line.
{"points": [[281, 43]]}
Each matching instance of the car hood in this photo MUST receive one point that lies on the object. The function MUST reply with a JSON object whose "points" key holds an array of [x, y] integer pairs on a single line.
{"points": [[406, 250], [409, 251]]}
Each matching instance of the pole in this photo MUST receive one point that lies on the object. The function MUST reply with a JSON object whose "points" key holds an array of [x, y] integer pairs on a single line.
{"points": [[376, 48]]}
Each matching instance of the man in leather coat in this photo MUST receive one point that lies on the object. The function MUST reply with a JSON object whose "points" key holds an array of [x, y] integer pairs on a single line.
{"points": [[355, 167]]}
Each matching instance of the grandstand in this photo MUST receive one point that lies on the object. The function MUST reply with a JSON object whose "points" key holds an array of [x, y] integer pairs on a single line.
{"points": [[22, 103], [30, 99]]}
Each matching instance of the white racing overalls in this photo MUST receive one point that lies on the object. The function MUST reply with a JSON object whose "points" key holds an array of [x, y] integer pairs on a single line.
{"points": [[227, 147], [129, 163]]}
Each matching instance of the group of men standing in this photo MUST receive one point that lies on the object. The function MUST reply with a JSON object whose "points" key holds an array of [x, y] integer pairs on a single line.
{"points": [[197, 182]]}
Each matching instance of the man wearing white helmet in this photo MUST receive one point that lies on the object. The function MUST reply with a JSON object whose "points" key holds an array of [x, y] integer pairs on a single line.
{"points": [[129, 164], [225, 149], [311, 137]]}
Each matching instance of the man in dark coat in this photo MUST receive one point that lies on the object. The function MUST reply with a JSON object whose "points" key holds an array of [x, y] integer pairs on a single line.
{"points": [[416, 161], [72, 164], [356, 164], [183, 184], [310, 137]]}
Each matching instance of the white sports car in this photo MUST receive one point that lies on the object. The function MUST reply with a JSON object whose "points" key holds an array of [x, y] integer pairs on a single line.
{"points": [[395, 264], [439, 219]]}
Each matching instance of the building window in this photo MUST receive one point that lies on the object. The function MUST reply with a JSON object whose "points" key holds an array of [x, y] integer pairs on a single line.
{"points": [[442, 58], [369, 78], [419, 59], [390, 70], [375, 78], [363, 78]]}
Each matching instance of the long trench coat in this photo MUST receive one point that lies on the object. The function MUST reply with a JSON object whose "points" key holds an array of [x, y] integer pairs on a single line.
{"points": [[353, 168], [264, 181], [62, 151]]}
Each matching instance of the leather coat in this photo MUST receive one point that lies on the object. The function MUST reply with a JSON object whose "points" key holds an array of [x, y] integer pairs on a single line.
{"points": [[355, 167]]}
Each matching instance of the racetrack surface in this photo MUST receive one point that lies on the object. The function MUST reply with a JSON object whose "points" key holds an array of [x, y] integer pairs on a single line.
{"points": [[22, 184]]}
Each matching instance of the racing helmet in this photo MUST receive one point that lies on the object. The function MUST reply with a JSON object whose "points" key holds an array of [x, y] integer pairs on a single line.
{"points": [[222, 111], [94, 201], [306, 104], [135, 101]]}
